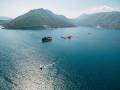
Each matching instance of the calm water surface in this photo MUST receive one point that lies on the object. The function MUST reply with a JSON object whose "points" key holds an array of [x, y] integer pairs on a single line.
{"points": [[86, 62]]}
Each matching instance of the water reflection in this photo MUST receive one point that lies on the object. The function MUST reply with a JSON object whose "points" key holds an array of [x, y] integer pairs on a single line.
{"points": [[77, 64]]}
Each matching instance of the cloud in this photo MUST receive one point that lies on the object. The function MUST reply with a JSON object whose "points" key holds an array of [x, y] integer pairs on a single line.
{"points": [[98, 9]]}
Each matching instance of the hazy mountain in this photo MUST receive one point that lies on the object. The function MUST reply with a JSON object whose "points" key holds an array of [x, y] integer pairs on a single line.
{"points": [[99, 9], [4, 20], [103, 19], [78, 19], [39, 18]]}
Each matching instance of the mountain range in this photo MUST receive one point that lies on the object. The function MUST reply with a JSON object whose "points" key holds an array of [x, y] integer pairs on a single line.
{"points": [[103, 20], [43, 18], [39, 18]]}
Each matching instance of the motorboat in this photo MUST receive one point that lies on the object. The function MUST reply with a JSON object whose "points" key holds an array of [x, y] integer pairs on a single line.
{"points": [[46, 39]]}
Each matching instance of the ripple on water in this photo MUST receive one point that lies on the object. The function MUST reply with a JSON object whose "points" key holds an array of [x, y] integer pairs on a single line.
{"points": [[27, 75]]}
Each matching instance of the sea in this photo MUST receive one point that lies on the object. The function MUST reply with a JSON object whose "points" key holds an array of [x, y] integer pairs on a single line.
{"points": [[90, 60]]}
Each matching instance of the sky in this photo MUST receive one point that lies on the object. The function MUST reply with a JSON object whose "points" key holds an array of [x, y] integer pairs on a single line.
{"points": [[69, 8]]}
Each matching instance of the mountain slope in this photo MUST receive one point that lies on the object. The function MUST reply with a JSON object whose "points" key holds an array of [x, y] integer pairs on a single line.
{"points": [[104, 19], [39, 18]]}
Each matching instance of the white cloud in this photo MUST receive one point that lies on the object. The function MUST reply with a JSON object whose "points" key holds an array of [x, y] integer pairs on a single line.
{"points": [[103, 8]]}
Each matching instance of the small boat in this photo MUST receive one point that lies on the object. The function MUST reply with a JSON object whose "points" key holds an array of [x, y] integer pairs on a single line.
{"points": [[1, 27], [69, 37], [46, 39], [41, 67], [63, 37]]}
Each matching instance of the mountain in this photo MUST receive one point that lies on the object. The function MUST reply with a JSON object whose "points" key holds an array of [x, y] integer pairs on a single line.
{"points": [[4, 20], [39, 18], [78, 19], [98, 9], [103, 19]]}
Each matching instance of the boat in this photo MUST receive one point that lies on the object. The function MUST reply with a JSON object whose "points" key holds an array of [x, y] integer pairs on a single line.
{"points": [[46, 39], [63, 37], [1, 27], [69, 37], [41, 67]]}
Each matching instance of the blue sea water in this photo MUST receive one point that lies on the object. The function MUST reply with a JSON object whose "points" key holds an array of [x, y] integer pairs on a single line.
{"points": [[88, 61]]}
